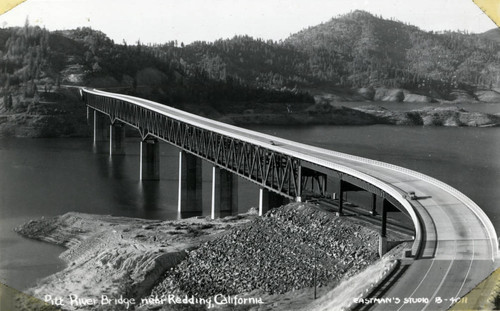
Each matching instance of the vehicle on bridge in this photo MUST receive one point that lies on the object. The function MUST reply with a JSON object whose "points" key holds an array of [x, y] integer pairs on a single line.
{"points": [[410, 195]]}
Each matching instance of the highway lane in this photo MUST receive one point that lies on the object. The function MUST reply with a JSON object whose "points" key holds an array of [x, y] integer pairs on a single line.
{"points": [[460, 246], [458, 253]]}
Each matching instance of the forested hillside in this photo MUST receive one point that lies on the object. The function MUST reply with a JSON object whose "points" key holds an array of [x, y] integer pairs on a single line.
{"points": [[35, 61], [358, 54], [354, 51], [359, 49]]}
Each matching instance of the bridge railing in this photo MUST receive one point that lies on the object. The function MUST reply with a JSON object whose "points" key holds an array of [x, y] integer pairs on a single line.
{"points": [[456, 193]]}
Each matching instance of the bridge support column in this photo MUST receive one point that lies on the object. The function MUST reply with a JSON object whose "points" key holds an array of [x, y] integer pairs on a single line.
{"points": [[385, 208], [100, 125], [190, 190], [382, 246], [298, 197], [224, 192], [269, 200], [150, 160], [374, 204], [116, 138]]}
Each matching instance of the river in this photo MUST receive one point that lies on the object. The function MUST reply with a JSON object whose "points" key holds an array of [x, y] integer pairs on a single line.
{"points": [[48, 177]]}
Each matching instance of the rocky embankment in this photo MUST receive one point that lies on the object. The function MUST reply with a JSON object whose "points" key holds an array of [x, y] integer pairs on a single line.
{"points": [[431, 116], [330, 114], [275, 257], [385, 94], [329, 110], [283, 251]]}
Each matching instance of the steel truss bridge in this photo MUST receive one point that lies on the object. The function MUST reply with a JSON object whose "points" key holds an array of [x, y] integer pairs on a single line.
{"points": [[455, 243], [283, 173]]}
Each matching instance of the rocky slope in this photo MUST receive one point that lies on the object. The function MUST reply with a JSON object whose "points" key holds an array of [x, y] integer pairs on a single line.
{"points": [[431, 116], [289, 249], [331, 114], [267, 257]]}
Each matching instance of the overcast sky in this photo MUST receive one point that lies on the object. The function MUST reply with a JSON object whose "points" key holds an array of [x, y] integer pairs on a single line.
{"points": [[158, 21]]}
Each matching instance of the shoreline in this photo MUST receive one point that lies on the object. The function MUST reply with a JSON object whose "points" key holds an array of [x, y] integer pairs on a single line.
{"points": [[116, 255], [369, 114], [127, 257], [69, 123]]}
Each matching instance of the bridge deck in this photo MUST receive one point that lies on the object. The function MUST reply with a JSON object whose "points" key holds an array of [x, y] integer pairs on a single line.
{"points": [[459, 243]]}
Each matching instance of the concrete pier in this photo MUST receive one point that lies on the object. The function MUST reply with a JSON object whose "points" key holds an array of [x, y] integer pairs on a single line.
{"points": [[386, 207], [190, 183], [116, 138], [374, 204], [149, 160], [89, 112], [269, 200], [224, 192]]}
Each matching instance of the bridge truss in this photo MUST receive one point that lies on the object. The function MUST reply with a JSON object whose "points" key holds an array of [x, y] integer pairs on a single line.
{"points": [[284, 174]]}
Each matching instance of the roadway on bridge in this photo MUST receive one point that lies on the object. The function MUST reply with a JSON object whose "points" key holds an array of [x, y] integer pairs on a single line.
{"points": [[459, 244]]}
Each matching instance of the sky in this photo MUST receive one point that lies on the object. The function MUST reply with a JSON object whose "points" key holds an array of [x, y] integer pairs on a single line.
{"points": [[159, 21]]}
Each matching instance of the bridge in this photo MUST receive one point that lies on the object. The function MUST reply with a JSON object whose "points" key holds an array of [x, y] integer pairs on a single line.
{"points": [[455, 244]]}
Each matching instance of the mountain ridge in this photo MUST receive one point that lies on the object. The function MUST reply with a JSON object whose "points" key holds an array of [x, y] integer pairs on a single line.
{"points": [[354, 57], [368, 50]]}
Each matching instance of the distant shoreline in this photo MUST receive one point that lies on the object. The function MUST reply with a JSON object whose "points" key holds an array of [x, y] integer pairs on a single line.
{"points": [[369, 115], [69, 120]]}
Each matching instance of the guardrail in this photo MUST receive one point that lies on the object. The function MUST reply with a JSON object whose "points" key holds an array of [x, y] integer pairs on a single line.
{"points": [[457, 194]]}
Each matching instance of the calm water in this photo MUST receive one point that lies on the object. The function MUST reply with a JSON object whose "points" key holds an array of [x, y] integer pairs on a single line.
{"points": [[47, 177]]}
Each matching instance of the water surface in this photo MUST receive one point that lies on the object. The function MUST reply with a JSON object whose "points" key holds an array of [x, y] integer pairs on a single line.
{"points": [[48, 177]]}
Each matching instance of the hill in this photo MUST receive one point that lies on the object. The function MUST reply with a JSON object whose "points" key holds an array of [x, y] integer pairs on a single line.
{"points": [[359, 49], [357, 56], [37, 66], [34, 57], [356, 50]]}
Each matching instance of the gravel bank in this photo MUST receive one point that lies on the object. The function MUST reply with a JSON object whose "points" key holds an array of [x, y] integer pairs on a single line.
{"points": [[275, 254], [276, 258]]}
